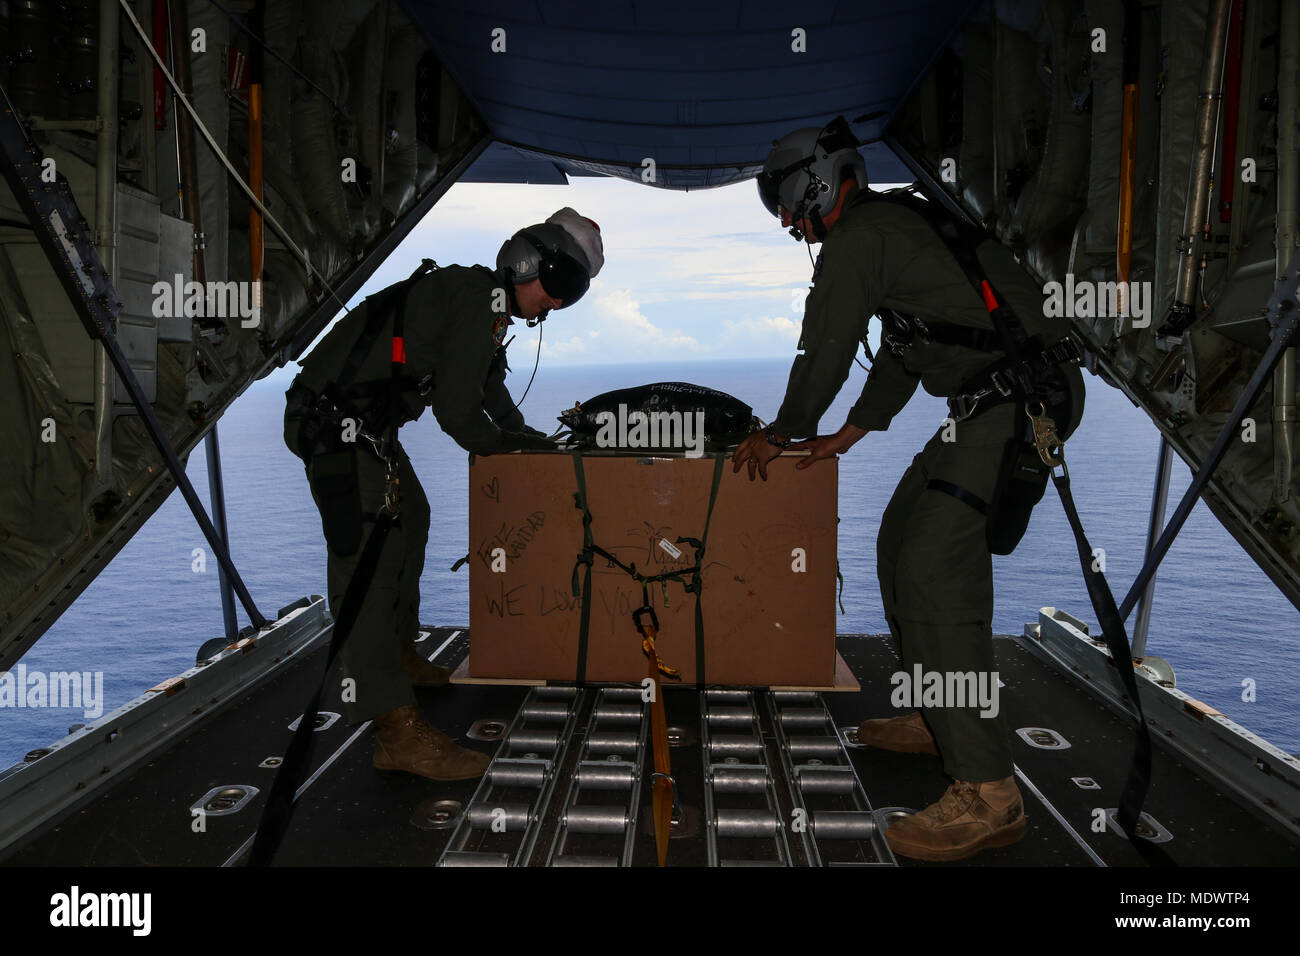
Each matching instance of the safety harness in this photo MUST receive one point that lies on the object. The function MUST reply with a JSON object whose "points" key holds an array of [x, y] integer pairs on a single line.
{"points": [[1017, 378], [373, 407]]}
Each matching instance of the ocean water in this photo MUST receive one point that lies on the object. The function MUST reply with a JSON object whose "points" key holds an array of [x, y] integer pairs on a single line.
{"points": [[1217, 618]]}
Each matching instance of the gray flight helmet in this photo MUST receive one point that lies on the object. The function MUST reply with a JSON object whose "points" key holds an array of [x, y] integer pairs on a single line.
{"points": [[804, 170], [546, 251]]}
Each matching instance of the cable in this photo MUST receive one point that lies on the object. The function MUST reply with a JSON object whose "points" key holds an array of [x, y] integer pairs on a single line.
{"points": [[212, 144], [536, 363]]}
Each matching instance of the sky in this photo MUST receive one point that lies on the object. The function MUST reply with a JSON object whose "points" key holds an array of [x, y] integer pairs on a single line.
{"points": [[700, 275]]}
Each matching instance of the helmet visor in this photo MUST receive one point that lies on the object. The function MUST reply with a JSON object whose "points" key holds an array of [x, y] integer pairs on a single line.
{"points": [[769, 186], [562, 276]]}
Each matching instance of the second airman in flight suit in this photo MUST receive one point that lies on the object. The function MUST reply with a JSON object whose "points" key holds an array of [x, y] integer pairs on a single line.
{"points": [[933, 553]]}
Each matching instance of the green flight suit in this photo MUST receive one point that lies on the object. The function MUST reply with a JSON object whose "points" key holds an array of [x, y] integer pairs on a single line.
{"points": [[452, 334], [933, 562]]}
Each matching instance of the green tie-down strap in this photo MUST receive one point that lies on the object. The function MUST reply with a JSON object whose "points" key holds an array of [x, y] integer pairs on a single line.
{"points": [[586, 558], [839, 577]]}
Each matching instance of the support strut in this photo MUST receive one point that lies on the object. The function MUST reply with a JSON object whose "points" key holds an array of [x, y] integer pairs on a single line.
{"points": [[1284, 318], [61, 229]]}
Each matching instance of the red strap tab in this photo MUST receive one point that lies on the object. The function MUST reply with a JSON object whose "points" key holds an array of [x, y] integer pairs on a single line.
{"points": [[399, 350], [990, 301]]}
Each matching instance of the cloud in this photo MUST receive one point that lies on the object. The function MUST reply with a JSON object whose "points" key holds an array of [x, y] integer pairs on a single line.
{"points": [[620, 317], [687, 275], [778, 331]]}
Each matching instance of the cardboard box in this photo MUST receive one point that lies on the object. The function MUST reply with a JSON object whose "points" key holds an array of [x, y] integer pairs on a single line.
{"points": [[767, 580]]}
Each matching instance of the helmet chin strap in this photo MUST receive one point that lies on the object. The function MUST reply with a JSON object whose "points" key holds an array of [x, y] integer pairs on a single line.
{"points": [[819, 227]]}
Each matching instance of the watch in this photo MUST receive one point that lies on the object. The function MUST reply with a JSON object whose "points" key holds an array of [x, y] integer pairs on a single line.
{"points": [[770, 435]]}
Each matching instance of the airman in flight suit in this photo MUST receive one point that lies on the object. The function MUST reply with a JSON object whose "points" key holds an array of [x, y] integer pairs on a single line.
{"points": [[933, 553], [449, 325]]}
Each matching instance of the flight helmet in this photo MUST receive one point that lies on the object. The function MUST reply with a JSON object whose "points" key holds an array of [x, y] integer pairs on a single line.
{"points": [[565, 253], [804, 170]]}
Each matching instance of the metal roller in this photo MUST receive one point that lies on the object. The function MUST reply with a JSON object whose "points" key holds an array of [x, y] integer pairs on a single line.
{"points": [[727, 696], [739, 779], [556, 712], [829, 780], [819, 747], [596, 819], [606, 776], [843, 824], [585, 861], [747, 823], [803, 716], [731, 716], [470, 858], [751, 863], [510, 773], [533, 741], [560, 692], [785, 697], [618, 713], [621, 694], [612, 742], [483, 815], [734, 745]]}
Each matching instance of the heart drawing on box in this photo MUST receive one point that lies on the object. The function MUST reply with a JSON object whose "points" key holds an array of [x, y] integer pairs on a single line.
{"points": [[493, 489]]}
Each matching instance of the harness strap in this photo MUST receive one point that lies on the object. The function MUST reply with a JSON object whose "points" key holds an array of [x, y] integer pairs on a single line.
{"points": [[280, 801], [958, 492], [1116, 637]]}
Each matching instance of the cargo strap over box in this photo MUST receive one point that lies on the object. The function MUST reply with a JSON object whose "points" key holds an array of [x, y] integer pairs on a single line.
{"points": [[586, 557]]}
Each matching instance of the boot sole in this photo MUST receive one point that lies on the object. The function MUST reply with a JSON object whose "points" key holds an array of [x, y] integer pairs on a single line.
{"points": [[903, 748], [394, 768], [1004, 836]]}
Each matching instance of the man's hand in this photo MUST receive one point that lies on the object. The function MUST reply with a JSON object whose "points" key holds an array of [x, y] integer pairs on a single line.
{"points": [[755, 451], [828, 446]]}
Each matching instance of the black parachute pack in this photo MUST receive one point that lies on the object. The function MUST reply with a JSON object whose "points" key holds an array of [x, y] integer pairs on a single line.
{"points": [[653, 416]]}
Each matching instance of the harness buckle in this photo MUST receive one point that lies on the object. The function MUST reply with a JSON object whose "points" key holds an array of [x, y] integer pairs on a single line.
{"points": [[962, 407]]}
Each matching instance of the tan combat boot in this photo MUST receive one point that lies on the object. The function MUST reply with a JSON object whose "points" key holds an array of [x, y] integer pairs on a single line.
{"points": [[420, 670], [406, 741], [968, 818], [907, 734]]}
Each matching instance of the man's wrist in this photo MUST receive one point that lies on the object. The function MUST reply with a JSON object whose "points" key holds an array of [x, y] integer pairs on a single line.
{"points": [[774, 439]]}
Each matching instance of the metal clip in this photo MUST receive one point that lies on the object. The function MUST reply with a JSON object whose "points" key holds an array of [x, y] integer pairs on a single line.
{"points": [[1048, 444], [392, 494]]}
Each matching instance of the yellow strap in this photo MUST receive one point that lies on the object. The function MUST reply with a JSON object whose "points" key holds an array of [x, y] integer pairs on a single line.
{"points": [[648, 645]]}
